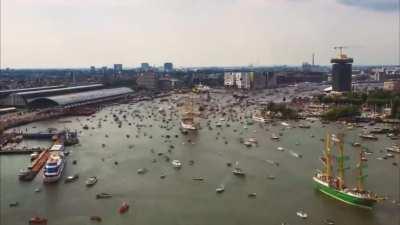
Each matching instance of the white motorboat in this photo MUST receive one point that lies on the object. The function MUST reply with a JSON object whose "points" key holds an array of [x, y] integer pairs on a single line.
{"points": [[176, 163]]}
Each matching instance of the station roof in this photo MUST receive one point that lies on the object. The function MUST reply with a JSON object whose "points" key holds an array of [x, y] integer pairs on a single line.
{"points": [[6, 110], [33, 93], [81, 97], [10, 91]]}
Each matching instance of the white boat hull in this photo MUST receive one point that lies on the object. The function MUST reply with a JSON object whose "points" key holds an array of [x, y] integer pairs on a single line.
{"points": [[186, 126], [54, 178]]}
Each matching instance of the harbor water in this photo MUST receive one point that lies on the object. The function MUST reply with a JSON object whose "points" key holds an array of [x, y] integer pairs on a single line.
{"points": [[114, 154]]}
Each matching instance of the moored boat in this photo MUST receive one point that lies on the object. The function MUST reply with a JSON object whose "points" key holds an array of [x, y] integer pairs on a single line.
{"points": [[54, 166], [91, 181], [394, 148], [71, 178], [302, 214], [176, 163], [38, 220], [124, 208], [368, 136]]}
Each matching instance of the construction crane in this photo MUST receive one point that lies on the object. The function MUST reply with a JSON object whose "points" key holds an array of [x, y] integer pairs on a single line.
{"points": [[340, 48]]}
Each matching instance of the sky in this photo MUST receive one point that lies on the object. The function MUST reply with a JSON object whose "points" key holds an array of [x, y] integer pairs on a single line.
{"points": [[82, 33]]}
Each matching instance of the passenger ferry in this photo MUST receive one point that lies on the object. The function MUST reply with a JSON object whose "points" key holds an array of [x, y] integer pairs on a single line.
{"points": [[55, 164]]}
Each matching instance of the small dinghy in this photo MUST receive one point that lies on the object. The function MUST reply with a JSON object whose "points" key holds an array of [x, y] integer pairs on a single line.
{"points": [[71, 178], [124, 208], [103, 195], [176, 163], [301, 214], [91, 181], [37, 220], [220, 189]]}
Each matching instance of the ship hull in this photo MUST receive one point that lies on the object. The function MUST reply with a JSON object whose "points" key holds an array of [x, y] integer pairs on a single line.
{"points": [[188, 127], [54, 178], [259, 119], [343, 196]]}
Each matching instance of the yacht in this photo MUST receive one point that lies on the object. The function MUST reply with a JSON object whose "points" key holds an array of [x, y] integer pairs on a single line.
{"points": [[54, 167]]}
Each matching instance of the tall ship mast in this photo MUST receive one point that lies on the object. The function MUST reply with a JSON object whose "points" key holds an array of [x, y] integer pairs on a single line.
{"points": [[188, 122], [334, 185]]}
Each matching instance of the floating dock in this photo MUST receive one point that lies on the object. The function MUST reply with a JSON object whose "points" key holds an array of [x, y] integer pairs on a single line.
{"points": [[31, 172]]}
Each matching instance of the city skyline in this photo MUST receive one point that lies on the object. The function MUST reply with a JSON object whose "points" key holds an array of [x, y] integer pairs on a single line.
{"points": [[64, 34]]}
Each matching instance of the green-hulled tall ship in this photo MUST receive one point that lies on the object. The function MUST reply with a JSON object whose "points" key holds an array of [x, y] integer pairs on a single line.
{"points": [[334, 186]]}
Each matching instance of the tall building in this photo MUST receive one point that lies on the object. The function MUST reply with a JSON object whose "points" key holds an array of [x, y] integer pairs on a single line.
{"points": [[145, 66], [259, 80], [243, 80], [117, 68], [341, 72], [168, 67], [92, 70], [229, 79]]}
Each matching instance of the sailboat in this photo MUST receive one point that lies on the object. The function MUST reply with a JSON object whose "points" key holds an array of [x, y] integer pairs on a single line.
{"points": [[188, 122], [334, 186]]}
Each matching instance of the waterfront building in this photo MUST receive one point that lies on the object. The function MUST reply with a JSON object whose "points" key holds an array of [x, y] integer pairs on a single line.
{"points": [[145, 66], [229, 79], [271, 80], [243, 80], [148, 80], [259, 80], [168, 83], [117, 68], [168, 67], [92, 70], [393, 85]]}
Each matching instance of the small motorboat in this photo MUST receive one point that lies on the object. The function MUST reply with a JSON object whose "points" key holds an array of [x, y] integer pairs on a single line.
{"points": [[252, 140], [37, 220], [280, 149], [301, 214], [142, 171], [247, 144], [14, 204], [238, 172], [297, 155], [91, 181], [34, 156], [220, 189], [285, 124], [272, 162], [304, 126], [329, 222], [198, 178], [96, 218], [124, 208], [389, 155], [368, 136], [71, 178], [395, 149], [274, 137], [176, 163], [252, 195], [103, 195], [356, 144]]}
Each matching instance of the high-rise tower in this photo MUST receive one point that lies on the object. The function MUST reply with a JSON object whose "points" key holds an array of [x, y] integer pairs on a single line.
{"points": [[341, 71]]}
